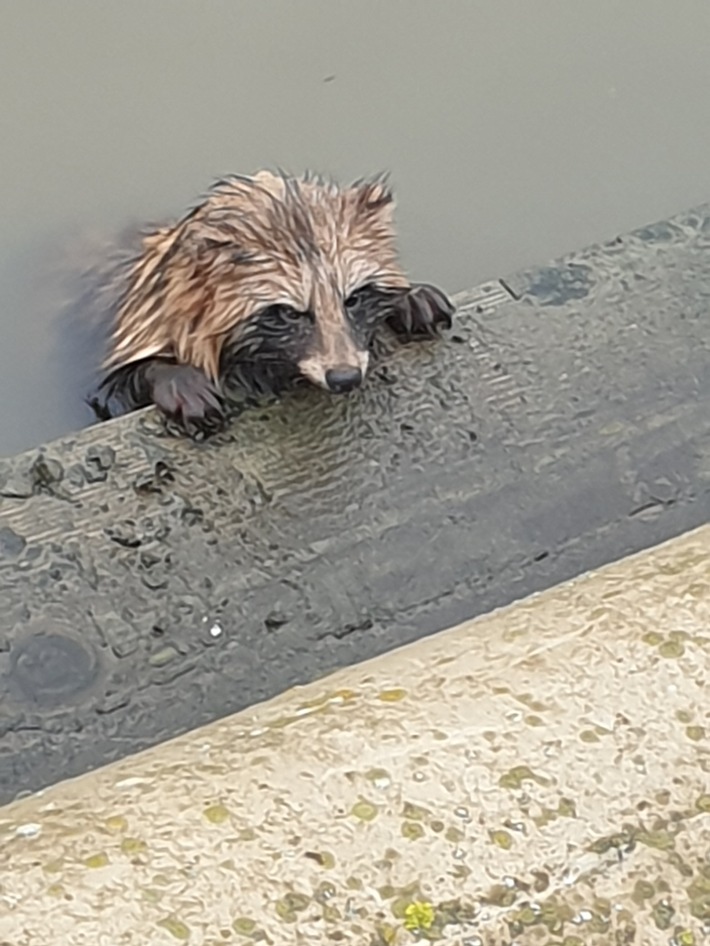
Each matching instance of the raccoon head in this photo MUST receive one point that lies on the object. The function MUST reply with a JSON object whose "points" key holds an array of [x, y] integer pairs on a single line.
{"points": [[332, 269], [269, 280]]}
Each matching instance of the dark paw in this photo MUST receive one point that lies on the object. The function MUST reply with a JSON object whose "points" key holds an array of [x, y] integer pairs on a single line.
{"points": [[421, 313], [100, 407], [188, 399]]}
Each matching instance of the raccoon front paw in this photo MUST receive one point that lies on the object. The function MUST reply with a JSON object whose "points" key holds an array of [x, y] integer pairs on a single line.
{"points": [[421, 313], [188, 398]]}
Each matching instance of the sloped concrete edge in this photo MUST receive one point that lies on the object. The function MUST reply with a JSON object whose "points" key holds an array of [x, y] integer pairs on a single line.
{"points": [[538, 775]]}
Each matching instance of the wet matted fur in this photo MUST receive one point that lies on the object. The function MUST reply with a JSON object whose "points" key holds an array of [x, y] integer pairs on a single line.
{"points": [[269, 280]]}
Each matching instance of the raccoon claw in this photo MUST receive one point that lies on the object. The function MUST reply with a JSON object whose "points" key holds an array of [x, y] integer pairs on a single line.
{"points": [[421, 313], [100, 409], [188, 398]]}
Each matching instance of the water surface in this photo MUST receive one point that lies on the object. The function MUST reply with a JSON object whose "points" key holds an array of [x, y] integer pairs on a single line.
{"points": [[514, 131]]}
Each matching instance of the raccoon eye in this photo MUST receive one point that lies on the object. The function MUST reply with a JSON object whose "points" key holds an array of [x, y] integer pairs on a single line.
{"points": [[289, 314], [355, 298]]}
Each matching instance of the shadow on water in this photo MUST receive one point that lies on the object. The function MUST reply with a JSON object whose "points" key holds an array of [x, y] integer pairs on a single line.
{"points": [[68, 279]]}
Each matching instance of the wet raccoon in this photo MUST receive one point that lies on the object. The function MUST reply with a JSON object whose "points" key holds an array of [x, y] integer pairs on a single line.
{"points": [[270, 280]]}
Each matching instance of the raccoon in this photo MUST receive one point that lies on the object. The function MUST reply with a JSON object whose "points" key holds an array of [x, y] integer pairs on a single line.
{"points": [[269, 281]]}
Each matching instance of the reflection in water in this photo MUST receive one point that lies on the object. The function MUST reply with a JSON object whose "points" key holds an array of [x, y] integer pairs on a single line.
{"points": [[514, 132]]}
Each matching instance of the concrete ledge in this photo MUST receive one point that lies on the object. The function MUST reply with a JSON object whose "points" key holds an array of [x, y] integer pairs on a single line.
{"points": [[150, 585], [538, 776]]}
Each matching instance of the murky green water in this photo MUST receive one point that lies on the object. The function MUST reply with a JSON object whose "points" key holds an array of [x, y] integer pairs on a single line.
{"points": [[514, 131]]}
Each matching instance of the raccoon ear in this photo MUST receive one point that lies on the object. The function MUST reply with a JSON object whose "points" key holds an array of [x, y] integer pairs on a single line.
{"points": [[374, 197], [275, 184], [373, 203]]}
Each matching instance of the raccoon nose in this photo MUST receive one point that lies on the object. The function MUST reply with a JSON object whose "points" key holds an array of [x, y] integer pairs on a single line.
{"points": [[343, 378]]}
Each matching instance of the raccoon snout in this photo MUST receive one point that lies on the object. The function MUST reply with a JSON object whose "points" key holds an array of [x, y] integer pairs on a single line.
{"points": [[343, 378]]}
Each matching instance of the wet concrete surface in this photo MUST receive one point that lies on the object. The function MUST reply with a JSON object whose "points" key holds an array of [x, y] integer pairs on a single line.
{"points": [[513, 131], [538, 777], [151, 585]]}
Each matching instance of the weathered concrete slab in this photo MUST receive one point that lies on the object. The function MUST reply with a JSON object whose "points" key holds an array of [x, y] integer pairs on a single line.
{"points": [[540, 776], [150, 585]]}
